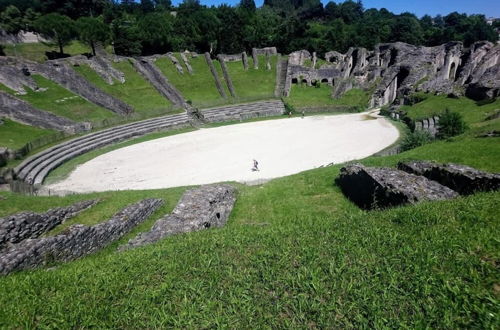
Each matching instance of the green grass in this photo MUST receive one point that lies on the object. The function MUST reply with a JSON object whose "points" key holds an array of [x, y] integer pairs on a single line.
{"points": [[36, 51], [14, 135], [435, 104], [258, 83], [135, 91], [288, 258], [199, 87], [68, 104], [303, 96]]}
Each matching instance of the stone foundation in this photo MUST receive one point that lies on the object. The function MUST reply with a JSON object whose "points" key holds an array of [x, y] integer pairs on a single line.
{"points": [[198, 209]]}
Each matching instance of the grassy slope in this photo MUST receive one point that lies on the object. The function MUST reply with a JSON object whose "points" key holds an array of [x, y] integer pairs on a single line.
{"points": [[75, 108], [435, 104], [36, 51], [14, 135], [135, 91], [302, 96], [199, 87], [287, 258], [253, 83]]}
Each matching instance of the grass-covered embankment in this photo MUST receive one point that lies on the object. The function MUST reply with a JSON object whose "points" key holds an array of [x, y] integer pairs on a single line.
{"points": [[135, 91], [36, 51], [61, 102], [253, 83], [14, 135], [294, 253], [198, 87], [306, 97]]}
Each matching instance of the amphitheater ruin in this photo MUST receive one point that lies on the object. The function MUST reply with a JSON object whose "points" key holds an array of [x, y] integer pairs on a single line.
{"points": [[214, 152]]}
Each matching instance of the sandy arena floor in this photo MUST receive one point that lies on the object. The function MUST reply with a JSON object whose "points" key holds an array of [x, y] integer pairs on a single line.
{"points": [[282, 147]]}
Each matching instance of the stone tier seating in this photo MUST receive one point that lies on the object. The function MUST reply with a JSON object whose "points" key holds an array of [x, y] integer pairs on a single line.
{"points": [[463, 179], [76, 241], [20, 226], [198, 209], [34, 169], [244, 111]]}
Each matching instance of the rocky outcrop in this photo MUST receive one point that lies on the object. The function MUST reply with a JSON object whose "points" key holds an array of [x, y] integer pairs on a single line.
{"points": [[65, 76], [18, 227], [198, 209], [76, 241], [463, 179], [18, 110], [371, 188]]}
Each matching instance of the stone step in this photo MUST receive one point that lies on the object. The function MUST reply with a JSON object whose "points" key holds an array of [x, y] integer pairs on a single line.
{"points": [[24, 168], [38, 174]]}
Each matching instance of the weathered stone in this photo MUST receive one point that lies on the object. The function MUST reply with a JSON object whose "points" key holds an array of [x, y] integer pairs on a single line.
{"points": [[463, 179], [18, 110], [15, 79], [18, 227], [76, 241], [370, 187], [215, 75], [175, 62], [184, 57], [200, 208], [227, 77]]}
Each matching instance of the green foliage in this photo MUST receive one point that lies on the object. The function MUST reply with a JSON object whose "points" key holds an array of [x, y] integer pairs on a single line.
{"points": [[303, 96], [11, 20], [91, 31], [126, 37], [59, 28], [415, 139], [451, 124]]}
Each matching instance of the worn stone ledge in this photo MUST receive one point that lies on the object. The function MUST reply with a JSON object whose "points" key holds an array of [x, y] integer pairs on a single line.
{"points": [[198, 209], [20, 226], [463, 179], [76, 241], [372, 188]]}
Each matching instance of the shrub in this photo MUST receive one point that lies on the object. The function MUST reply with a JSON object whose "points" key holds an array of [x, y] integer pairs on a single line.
{"points": [[415, 139], [450, 124], [415, 98]]}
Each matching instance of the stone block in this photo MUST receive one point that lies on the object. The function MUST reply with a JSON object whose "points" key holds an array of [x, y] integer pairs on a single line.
{"points": [[372, 188], [463, 179]]}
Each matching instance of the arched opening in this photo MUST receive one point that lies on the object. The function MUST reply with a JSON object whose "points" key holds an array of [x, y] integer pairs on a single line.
{"points": [[403, 73], [304, 81], [394, 55], [314, 82], [453, 70], [324, 80], [295, 81]]}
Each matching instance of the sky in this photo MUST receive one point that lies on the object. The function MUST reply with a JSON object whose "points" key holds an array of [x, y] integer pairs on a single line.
{"points": [[489, 8]]}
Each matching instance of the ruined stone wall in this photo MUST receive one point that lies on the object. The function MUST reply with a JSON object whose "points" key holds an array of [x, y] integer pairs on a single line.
{"points": [[218, 83], [18, 227], [227, 77], [198, 209], [76, 241]]}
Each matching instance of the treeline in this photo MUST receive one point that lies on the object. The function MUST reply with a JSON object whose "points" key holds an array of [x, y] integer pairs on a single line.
{"points": [[155, 26]]}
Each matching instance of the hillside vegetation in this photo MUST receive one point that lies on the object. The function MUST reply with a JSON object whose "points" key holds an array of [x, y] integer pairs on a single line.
{"points": [[287, 258]]}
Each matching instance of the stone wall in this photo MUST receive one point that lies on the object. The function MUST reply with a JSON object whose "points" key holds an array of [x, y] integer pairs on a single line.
{"points": [[371, 187], [77, 241], [215, 75], [198, 209], [101, 65], [227, 77], [262, 51], [184, 57], [20, 226]]}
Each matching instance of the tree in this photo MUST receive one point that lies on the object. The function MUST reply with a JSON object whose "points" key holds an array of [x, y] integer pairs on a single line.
{"points": [[11, 20], [407, 29], [56, 27], [91, 31], [450, 124], [126, 36], [248, 5], [156, 30]]}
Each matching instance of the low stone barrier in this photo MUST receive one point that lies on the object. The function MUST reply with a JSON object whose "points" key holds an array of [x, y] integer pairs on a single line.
{"points": [[198, 209], [18, 227], [463, 179], [371, 187], [76, 241]]}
